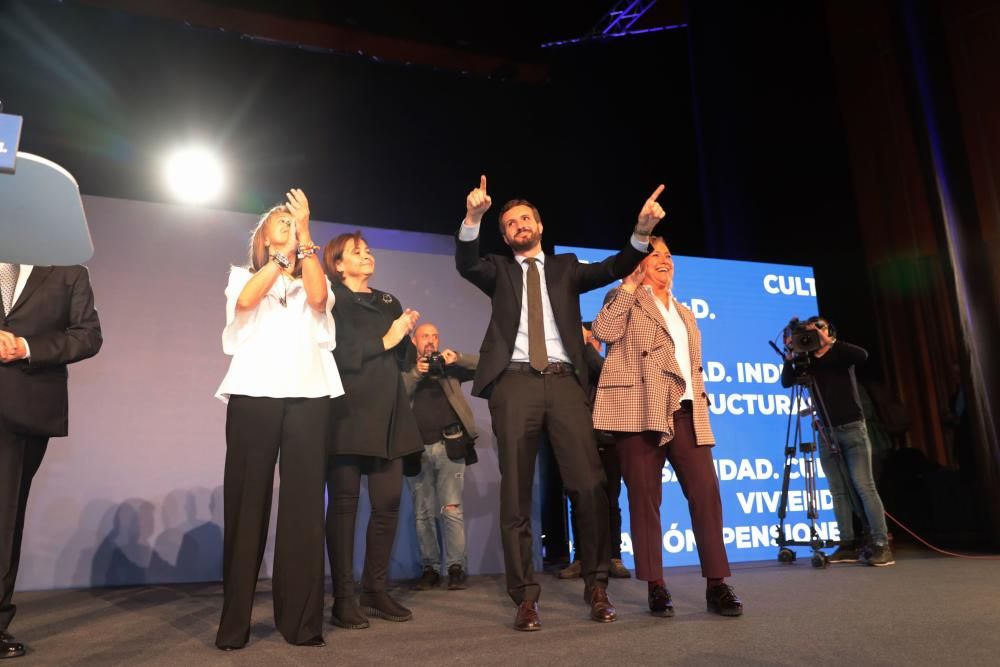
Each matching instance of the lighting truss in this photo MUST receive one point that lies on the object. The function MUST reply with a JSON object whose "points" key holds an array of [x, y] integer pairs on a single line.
{"points": [[617, 22], [620, 18]]}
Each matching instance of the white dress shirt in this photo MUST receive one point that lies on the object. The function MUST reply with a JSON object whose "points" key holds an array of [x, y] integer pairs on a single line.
{"points": [[22, 278], [279, 351], [678, 332], [553, 342]]}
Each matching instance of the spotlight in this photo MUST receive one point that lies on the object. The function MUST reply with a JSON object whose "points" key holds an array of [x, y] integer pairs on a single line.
{"points": [[194, 174]]}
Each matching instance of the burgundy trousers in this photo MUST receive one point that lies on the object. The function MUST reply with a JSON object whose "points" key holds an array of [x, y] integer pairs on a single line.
{"points": [[642, 462]]}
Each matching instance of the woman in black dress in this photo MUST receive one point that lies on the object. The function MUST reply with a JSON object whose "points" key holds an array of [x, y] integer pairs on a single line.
{"points": [[372, 430]]}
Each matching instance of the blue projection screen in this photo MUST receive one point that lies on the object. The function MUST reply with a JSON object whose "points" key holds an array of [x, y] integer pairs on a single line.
{"points": [[740, 306]]}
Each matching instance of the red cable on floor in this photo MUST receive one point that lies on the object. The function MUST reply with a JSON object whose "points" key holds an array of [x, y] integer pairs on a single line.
{"points": [[934, 548]]}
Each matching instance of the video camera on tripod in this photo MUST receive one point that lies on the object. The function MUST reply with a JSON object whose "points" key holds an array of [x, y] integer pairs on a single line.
{"points": [[801, 339]]}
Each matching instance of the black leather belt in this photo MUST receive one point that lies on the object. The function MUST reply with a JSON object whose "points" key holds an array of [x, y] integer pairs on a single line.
{"points": [[555, 368]]}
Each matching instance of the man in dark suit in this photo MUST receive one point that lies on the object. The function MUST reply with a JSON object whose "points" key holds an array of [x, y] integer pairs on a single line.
{"points": [[48, 321], [532, 370]]}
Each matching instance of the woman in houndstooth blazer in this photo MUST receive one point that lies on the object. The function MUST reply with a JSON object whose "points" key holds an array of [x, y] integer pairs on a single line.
{"points": [[651, 394]]}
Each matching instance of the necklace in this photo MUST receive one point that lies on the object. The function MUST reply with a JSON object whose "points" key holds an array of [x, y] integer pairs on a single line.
{"points": [[283, 300]]}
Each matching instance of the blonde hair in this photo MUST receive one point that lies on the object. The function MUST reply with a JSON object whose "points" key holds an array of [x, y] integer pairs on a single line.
{"points": [[259, 255]]}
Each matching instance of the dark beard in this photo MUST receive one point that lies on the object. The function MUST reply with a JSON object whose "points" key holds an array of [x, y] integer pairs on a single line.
{"points": [[522, 246]]}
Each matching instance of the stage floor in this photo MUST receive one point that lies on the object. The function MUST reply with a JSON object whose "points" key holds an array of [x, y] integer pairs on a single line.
{"points": [[923, 611]]}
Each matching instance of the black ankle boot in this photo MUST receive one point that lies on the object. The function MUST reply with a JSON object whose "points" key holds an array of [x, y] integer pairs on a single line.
{"points": [[347, 615], [381, 605]]}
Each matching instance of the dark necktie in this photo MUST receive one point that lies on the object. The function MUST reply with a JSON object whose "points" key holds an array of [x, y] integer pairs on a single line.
{"points": [[537, 355], [8, 281]]}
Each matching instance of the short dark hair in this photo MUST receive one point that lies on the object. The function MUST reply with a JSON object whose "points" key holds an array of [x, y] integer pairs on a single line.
{"points": [[334, 252], [517, 202], [831, 330]]}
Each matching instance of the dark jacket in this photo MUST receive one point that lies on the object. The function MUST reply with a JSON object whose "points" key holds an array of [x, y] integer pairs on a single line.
{"points": [[373, 418], [55, 314], [834, 375], [566, 278], [595, 362], [461, 371]]}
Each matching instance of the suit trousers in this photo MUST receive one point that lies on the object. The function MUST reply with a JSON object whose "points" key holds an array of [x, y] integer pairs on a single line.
{"points": [[523, 405], [20, 458], [642, 462], [258, 430], [385, 486], [613, 472]]}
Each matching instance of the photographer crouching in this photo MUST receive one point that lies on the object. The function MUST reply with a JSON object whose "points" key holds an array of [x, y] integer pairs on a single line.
{"points": [[436, 476], [813, 351]]}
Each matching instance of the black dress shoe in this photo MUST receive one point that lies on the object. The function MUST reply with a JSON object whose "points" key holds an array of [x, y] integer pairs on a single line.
{"points": [[660, 603], [722, 600], [601, 609], [345, 614], [314, 642], [527, 619], [380, 604], [10, 647]]}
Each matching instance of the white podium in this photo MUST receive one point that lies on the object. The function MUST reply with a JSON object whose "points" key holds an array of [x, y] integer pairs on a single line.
{"points": [[41, 215]]}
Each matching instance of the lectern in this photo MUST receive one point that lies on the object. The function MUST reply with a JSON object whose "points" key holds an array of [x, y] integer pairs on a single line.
{"points": [[41, 214]]}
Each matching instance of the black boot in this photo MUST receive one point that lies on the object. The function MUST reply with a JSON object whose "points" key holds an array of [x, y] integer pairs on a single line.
{"points": [[347, 615], [381, 605]]}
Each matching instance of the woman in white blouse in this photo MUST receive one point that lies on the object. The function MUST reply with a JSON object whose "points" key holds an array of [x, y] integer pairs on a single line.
{"points": [[280, 332]]}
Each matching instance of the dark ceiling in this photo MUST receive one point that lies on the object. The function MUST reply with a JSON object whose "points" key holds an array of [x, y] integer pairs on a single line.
{"points": [[514, 29], [106, 86]]}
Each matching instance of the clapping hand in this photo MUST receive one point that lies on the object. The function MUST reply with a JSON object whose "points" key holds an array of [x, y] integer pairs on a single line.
{"points": [[650, 214], [298, 207], [477, 203], [634, 279], [400, 328], [11, 347]]}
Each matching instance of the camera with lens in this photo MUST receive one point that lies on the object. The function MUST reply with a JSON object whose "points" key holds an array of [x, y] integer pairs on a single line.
{"points": [[435, 365], [800, 342]]}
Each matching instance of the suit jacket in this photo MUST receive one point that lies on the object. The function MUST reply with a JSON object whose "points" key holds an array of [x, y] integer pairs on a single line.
{"points": [[55, 314], [373, 418], [641, 384], [595, 362], [566, 278], [461, 371]]}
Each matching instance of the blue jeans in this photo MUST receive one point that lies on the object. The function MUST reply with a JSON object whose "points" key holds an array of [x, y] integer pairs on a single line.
{"points": [[438, 490], [850, 474]]}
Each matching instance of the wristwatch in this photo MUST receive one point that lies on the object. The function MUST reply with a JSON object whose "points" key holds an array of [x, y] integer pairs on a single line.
{"points": [[281, 260]]}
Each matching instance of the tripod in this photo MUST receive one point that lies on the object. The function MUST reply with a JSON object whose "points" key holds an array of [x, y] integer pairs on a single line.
{"points": [[804, 388]]}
